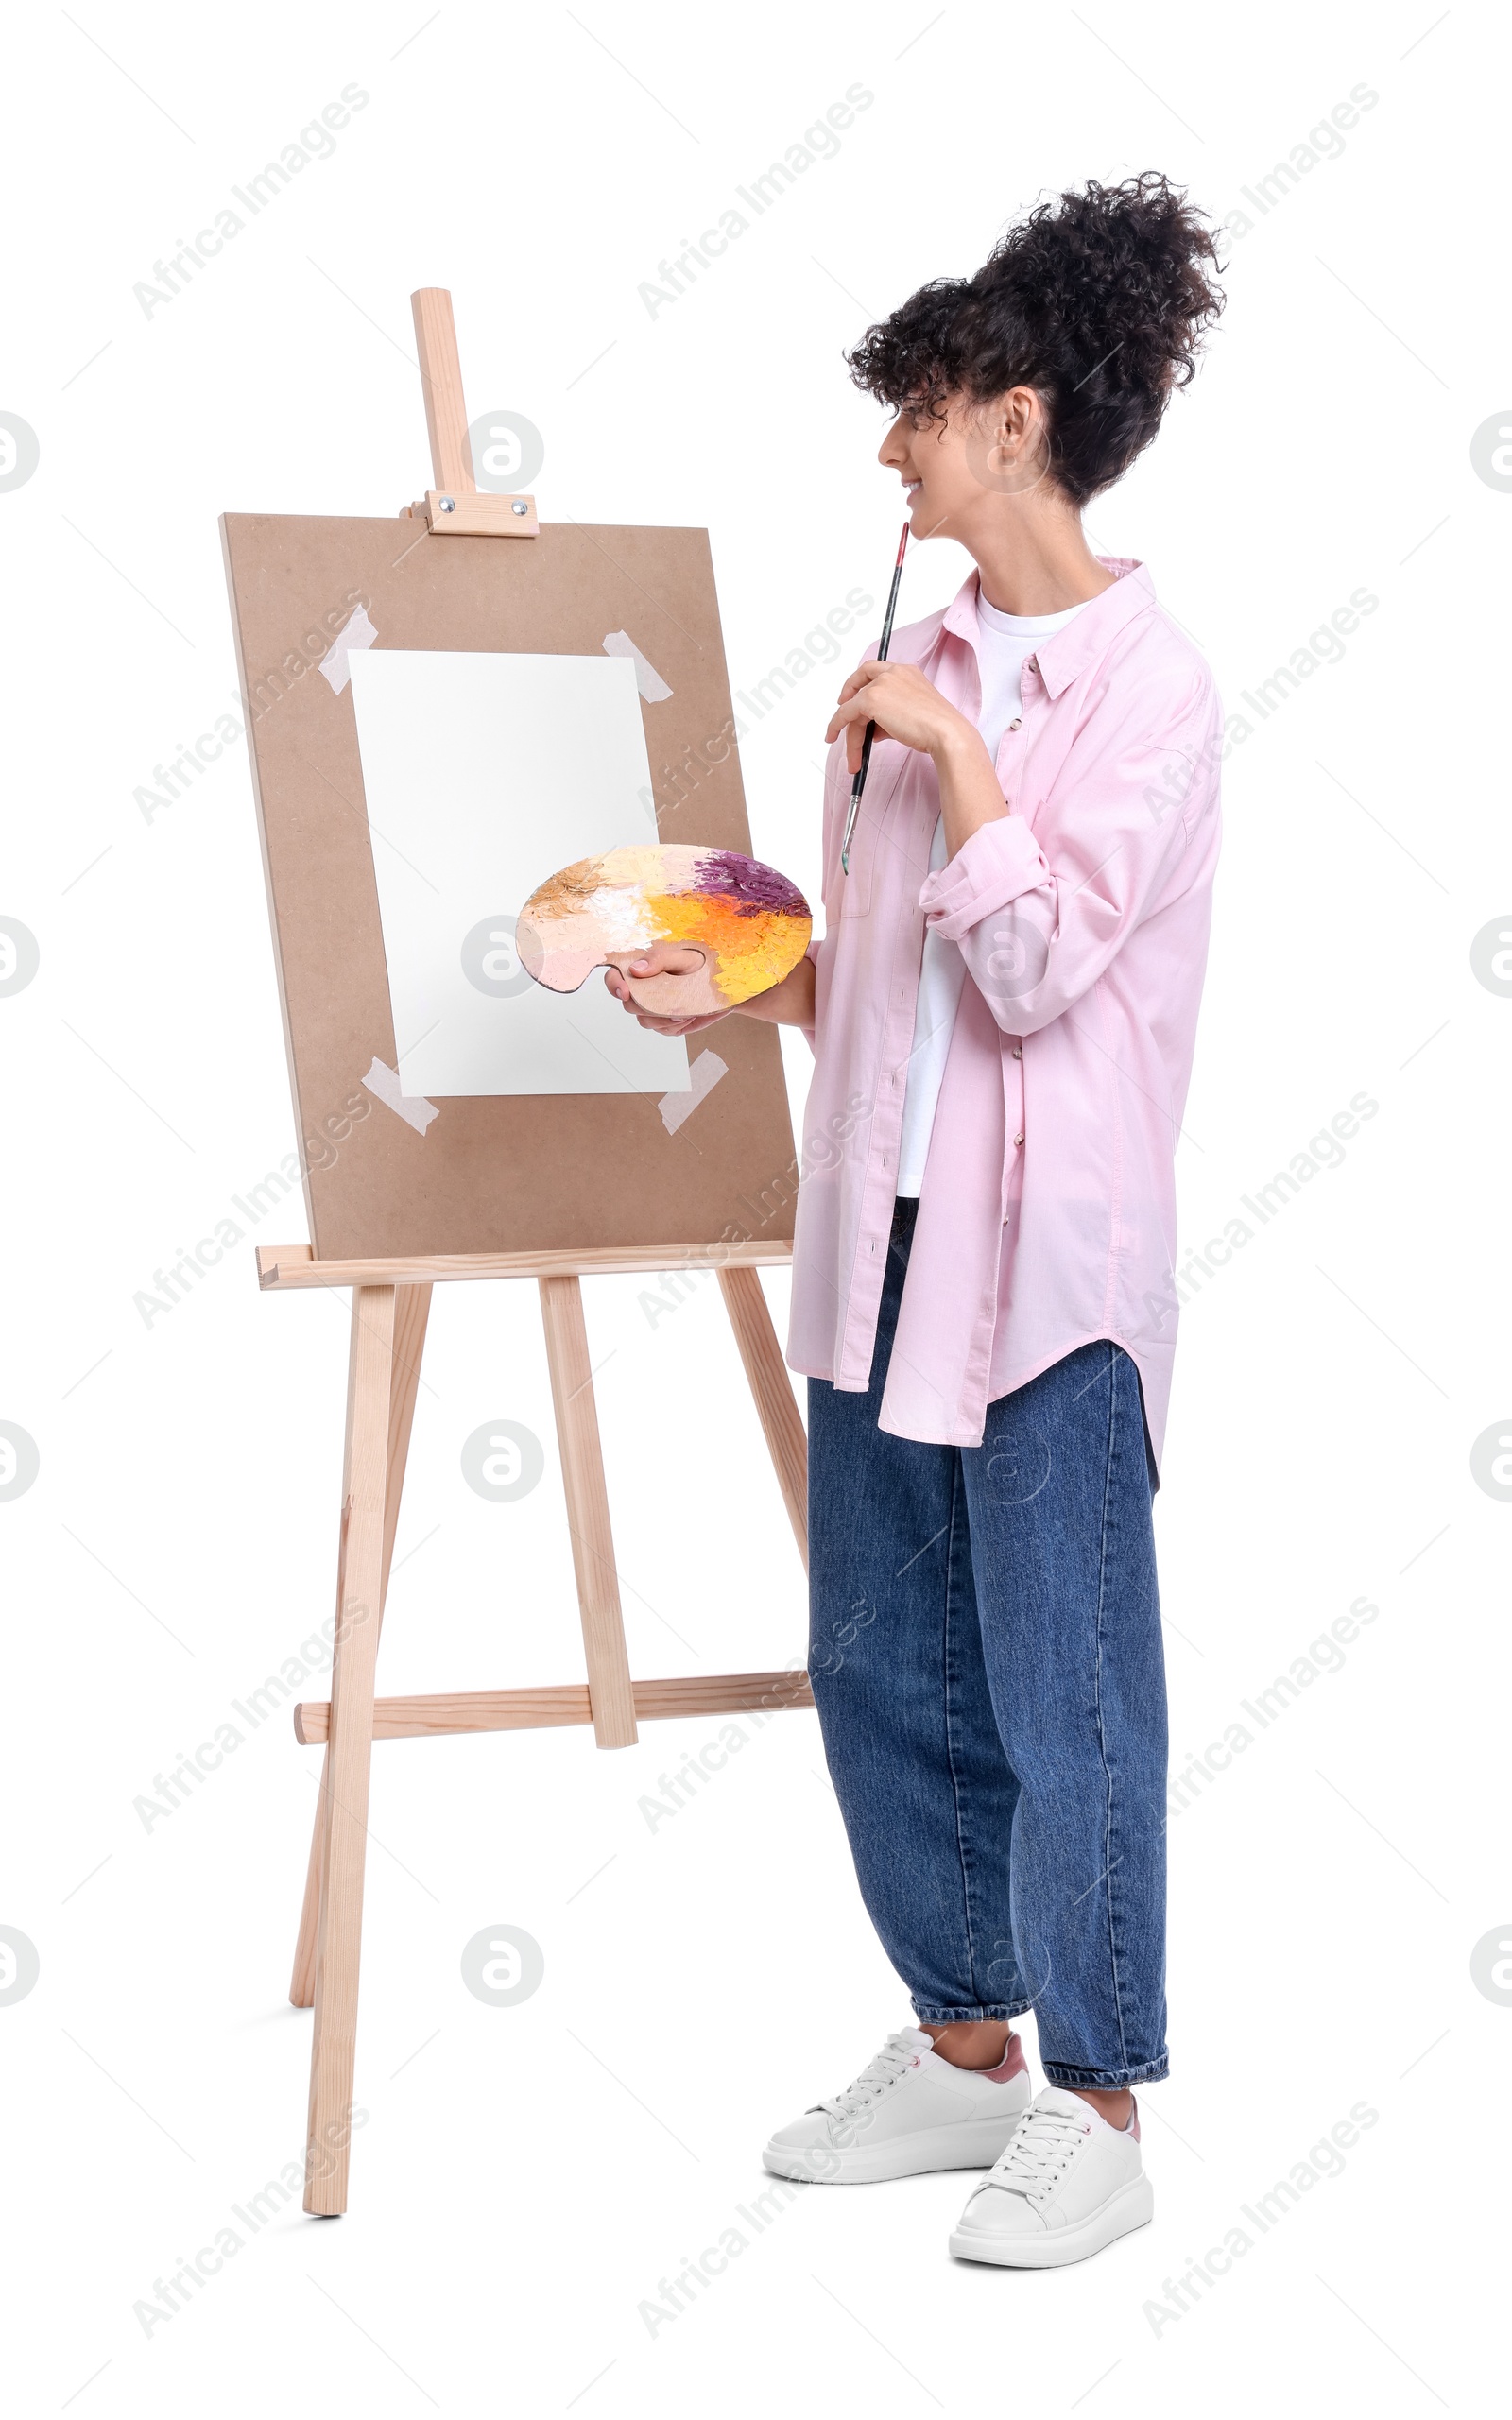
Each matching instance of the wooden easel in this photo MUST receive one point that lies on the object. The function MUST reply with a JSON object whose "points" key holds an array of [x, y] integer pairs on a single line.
{"points": [[390, 1305]]}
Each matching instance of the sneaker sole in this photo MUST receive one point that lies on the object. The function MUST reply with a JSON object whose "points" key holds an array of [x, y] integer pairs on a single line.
{"points": [[1132, 2206], [979, 2143]]}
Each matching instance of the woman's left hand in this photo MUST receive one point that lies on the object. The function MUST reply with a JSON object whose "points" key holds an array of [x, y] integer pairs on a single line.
{"points": [[904, 705]]}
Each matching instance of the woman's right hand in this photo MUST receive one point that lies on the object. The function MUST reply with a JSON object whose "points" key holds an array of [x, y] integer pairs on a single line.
{"points": [[661, 958]]}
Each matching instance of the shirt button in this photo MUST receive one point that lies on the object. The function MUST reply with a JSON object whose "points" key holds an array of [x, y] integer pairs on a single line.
{"points": [[1018, 1050], [1018, 1141], [1015, 723]]}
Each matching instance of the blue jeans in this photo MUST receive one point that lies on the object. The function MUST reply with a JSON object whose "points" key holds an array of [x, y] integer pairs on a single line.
{"points": [[985, 1653]]}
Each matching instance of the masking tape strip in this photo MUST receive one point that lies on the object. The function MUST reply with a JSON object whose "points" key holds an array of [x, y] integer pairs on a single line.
{"points": [[705, 1073], [383, 1083], [648, 679], [357, 631]]}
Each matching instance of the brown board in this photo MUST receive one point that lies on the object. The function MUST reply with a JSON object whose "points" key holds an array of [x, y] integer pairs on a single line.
{"points": [[500, 1173]]}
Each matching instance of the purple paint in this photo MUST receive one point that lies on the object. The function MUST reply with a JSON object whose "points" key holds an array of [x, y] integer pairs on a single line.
{"points": [[756, 889]]}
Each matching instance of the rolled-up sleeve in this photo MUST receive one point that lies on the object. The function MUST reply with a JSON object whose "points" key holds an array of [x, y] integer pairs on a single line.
{"points": [[998, 864], [1038, 919]]}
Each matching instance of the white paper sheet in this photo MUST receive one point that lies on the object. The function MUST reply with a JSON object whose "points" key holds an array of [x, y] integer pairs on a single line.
{"points": [[484, 774]]}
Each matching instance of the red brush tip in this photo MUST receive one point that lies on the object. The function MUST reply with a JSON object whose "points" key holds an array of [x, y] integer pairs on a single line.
{"points": [[901, 544]]}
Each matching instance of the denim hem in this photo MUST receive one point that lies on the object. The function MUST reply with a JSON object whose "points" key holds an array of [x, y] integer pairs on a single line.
{"points": [[1103, 2079], [997, 2014]]}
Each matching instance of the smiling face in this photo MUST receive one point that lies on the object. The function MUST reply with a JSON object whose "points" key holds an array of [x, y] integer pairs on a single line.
{"points": [[958, 471]]}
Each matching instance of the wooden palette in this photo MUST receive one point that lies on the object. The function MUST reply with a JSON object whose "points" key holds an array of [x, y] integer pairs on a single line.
{"points": [[740, 926]]}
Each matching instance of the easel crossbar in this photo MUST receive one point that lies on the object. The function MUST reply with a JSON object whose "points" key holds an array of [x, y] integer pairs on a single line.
{"points": [[533, 1709], [282, 1267]]}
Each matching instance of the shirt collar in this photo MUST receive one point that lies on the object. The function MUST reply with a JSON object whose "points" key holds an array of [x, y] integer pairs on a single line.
{"points": [[1069, 653]]}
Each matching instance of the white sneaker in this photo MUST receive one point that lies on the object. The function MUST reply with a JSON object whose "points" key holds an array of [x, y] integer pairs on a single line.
{"points": [[909, 2112], [1067, 2184]]}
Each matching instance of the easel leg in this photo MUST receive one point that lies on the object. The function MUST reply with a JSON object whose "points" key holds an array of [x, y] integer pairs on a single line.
{"points": [[410, 1317], [349, 1757], [583, 1469], [782, 1425], [302, 1985]]}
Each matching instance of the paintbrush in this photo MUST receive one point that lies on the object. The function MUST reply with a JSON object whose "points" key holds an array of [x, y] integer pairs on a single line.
{"points": [[859, 781]]}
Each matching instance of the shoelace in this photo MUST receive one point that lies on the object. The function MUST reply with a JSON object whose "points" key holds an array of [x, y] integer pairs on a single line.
{"points": [[1044, 2140], [896, 2054]]}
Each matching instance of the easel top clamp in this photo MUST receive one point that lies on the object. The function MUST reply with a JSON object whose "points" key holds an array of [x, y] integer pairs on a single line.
{"points": [[455, 506]]}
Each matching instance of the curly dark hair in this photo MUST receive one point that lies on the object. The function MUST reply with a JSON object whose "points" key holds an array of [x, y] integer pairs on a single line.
{"points": [[1098, 300]]}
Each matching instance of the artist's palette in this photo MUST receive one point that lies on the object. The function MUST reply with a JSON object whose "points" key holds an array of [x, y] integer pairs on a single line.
{"points": [[742, 925]]}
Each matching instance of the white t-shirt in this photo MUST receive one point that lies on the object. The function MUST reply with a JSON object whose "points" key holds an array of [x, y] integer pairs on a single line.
{"points": [[1003, 642]]}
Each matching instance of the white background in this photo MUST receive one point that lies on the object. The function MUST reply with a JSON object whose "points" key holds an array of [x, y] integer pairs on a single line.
{"points": [[527, 2175]]}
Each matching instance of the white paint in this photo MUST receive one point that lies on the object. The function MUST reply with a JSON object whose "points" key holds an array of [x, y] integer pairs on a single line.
{"points": [[704, 1074], [355, 637], [384, 1084], [484, 774], [648, 679]]}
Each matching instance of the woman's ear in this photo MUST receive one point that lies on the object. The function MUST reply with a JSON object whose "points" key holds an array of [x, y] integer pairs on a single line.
{"points": [[1008, 451], [1027, 430]]}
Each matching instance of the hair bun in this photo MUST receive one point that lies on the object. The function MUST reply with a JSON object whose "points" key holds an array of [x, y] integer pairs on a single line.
{"points": [[1119, 272]]}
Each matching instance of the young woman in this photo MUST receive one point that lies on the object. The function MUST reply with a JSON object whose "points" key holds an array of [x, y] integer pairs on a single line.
{"points": [[1003, 1012]]}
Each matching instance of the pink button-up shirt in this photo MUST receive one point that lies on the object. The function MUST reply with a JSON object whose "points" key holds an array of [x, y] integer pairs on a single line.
{"points": [[1047, 1215]]}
